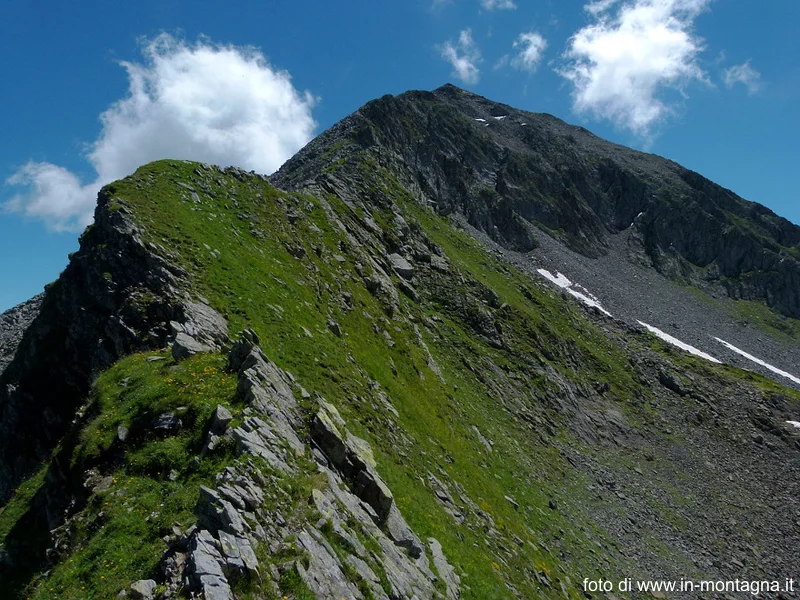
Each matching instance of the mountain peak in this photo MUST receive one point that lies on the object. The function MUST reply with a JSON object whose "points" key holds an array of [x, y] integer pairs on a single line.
{"points": [[512, 173]]}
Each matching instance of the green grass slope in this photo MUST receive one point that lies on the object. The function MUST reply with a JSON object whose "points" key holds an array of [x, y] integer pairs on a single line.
{"points": [[492, 403]]}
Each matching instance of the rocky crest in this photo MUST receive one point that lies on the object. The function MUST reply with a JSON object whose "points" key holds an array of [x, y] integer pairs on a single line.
{"points": [[116, 296]]}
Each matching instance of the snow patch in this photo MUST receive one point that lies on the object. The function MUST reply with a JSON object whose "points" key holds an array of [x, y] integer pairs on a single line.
{"points": [[794, 424], [584, 296], [559, 279], [676, 342], [586, 292], [481, 120], [759, 361], [500, 118]]}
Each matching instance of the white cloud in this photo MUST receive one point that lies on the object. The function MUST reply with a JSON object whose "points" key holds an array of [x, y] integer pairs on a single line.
{"points": [[599, 6], [531, 47], [54, 195], [622, 64], [744, 74], [463, 56], [502, 62], [219, 104], [498, 4]]}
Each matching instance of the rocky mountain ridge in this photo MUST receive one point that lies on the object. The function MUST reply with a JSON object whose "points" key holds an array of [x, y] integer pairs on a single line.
{"points": [[334, 389]]}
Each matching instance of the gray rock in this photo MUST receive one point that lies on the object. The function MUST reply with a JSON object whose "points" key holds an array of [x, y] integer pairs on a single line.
{"points": [[671, 381], [324, 575], [211, 442], [205, 566], [352, 456], [143, 589], [335, 329], [326, 434], [440, 264], [401, 534], [238, 552], [205, 324], [229, 545], [408, 290], [489, 445], [167, 423], [242, 349], [446, 572], [13, 324], [371, 489], [220, 421], [215, 513], [365, 573], [401, 266], [185, 346]]}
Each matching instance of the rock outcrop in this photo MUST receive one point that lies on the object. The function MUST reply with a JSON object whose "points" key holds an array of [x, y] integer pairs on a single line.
{"points": [[352, 508], [118, 295]]}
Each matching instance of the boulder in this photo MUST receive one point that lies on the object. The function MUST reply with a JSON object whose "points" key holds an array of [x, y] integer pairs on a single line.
{"points": [[205, 564], [143, 589], [220, 421], [167, 423], [185, 346], [401, 266]]}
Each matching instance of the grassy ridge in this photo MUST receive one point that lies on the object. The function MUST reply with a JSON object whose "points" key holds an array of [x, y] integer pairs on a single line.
{"points": [[248, 274], [290, 266]]}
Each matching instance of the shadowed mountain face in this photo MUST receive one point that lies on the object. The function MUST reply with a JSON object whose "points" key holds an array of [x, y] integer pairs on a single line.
{"points": [[509, 171]]}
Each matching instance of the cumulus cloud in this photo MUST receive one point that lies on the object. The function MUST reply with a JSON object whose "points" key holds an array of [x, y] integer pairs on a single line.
{"points": [[498, 4], [464, 56], [634, 54], [744, 74], [530, 47], [213, 103]]}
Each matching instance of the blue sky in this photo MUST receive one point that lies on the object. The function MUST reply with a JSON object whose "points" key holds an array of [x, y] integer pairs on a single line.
{"points": [[93, 89]]}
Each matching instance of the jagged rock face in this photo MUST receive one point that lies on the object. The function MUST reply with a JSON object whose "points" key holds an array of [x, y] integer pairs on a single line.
{"points": [[116, 296], [13, 324], [507, 171]]}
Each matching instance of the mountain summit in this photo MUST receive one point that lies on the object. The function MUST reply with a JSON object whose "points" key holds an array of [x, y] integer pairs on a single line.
{"points": [[510, 172], [450, 350]]}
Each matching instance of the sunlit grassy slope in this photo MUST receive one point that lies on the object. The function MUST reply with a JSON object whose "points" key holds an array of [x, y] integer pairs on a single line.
{"points": [[287, 265]]}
